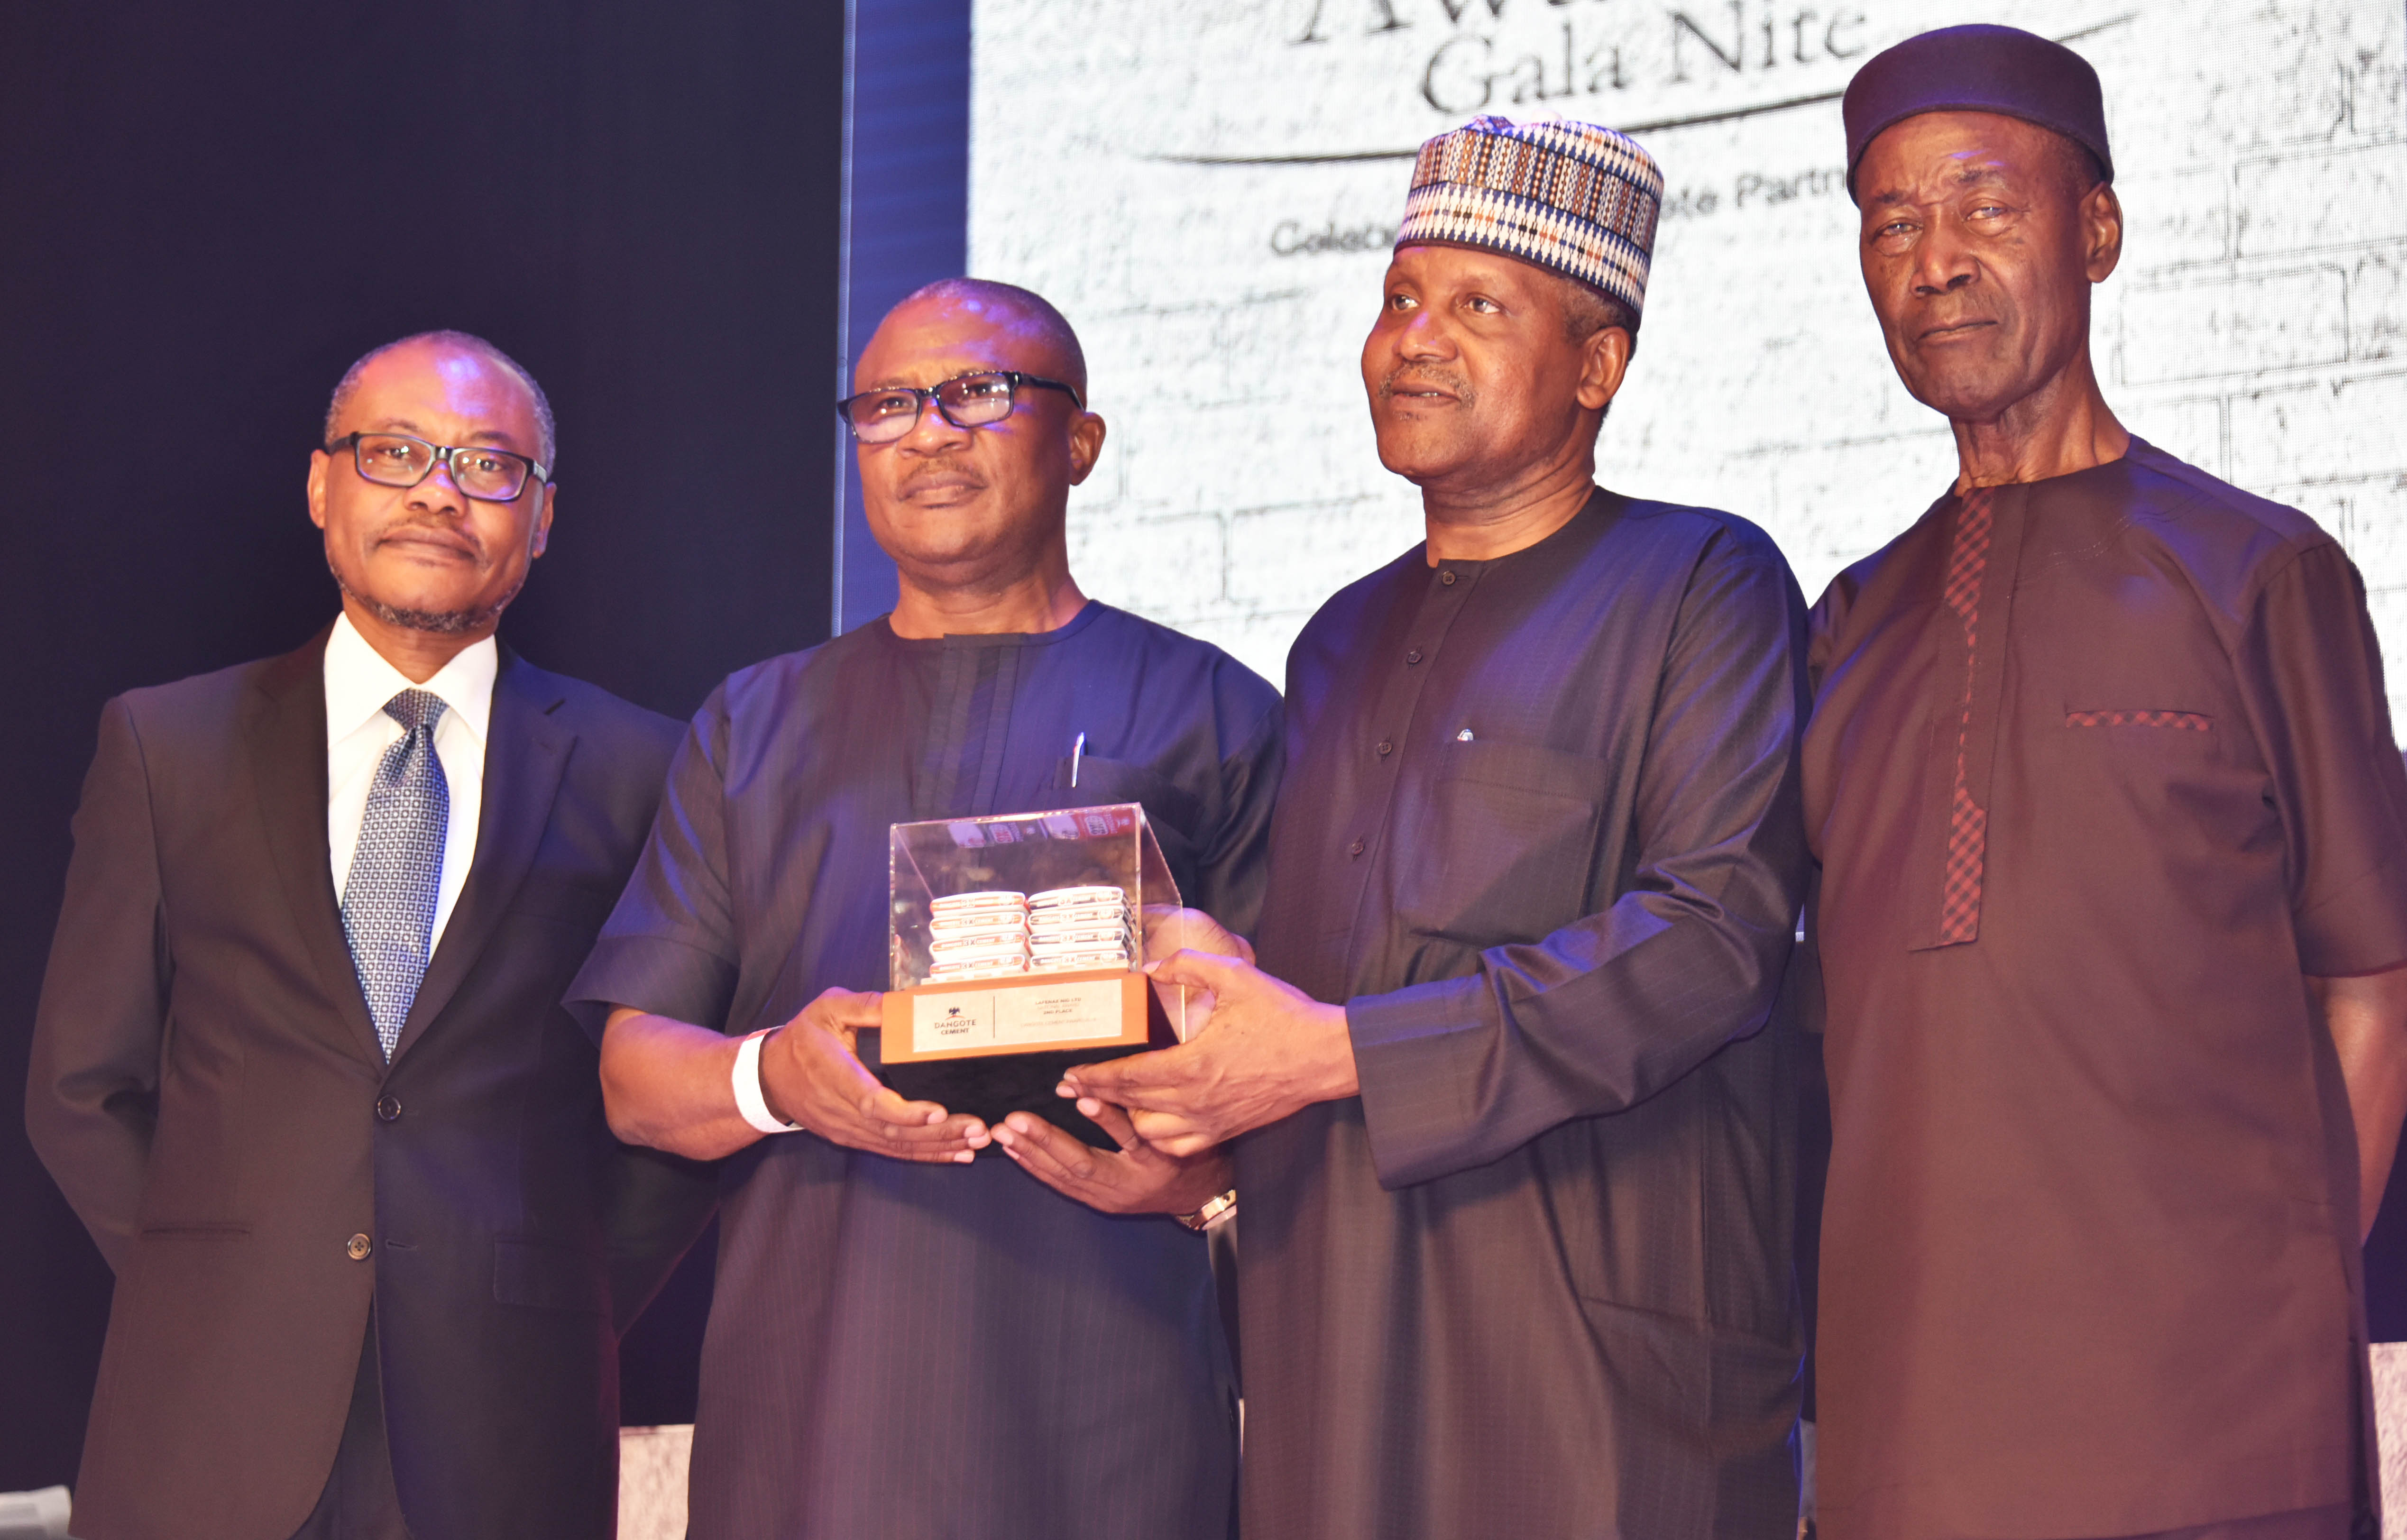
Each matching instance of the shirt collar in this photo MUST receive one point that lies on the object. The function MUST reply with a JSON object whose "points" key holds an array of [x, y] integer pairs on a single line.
{"points": [[359, 681]]}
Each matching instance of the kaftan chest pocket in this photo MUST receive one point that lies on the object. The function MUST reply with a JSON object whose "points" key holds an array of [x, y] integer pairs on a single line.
{"points": [[2142, 746], [1499, 844], [2164, 768], [2171, 721]]}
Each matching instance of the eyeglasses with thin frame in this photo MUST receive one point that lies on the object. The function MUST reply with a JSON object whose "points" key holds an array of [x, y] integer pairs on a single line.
{"points": [[966, 401], [482, 472]]}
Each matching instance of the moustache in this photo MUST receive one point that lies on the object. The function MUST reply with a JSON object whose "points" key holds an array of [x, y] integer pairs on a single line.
{"points": [[946, 470], [444, 533], [1410, 377]]}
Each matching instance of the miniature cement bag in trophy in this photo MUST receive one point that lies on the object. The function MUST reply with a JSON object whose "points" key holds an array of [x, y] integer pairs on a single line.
{"points": [[1023, 933]]}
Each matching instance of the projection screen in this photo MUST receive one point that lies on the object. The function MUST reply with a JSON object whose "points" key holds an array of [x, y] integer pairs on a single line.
{"points": [[1209, 192]]}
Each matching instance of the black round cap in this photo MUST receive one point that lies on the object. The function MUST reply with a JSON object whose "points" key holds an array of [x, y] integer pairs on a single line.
{"points": [[1977, 68]]}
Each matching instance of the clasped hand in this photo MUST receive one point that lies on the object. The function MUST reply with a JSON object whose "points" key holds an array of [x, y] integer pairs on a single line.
{"points": [[1268, 1050], [1135, 1178], [811, 1073]]}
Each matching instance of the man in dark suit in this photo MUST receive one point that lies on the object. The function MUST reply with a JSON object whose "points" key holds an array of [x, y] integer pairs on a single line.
{"points": [[300, 1063]]}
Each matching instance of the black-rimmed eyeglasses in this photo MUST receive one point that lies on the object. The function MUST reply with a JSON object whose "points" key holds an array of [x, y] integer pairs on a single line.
{"points": [[966, 401], [478, 470]]}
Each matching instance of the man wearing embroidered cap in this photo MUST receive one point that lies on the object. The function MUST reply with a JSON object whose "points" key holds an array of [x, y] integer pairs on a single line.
{"points": [[1517, 1117], [2112, 911]]}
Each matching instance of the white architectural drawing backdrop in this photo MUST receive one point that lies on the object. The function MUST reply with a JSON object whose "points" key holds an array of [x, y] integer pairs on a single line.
{"points": [[1176, 176]]}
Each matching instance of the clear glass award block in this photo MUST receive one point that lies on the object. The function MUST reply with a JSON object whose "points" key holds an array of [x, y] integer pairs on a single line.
{"points": [[1023, 932]]}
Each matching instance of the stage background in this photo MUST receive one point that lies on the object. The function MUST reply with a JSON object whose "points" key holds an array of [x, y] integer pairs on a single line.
{"points": [[1210, 192]]}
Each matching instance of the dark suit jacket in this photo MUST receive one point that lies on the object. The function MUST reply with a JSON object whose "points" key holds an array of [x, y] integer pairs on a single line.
{"points": [[207, 1089]]}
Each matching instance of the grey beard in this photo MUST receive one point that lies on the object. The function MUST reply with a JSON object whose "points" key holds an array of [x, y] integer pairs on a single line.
{"points": [[439, 623]]}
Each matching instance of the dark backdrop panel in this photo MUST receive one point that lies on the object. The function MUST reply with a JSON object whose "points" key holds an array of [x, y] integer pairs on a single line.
{"points": [[907, 216], [206, 213]]}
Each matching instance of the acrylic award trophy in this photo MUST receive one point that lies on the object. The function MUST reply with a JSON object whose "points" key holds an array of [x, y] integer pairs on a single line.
{"points": [[1017, 940]]}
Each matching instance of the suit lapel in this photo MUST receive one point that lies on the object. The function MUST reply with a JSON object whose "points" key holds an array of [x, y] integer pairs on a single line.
{"points": [[525, 751], [285, 728]]}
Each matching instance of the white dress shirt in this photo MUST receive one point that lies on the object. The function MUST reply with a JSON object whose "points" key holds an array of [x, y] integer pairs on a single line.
{"points": [[358, 732]]}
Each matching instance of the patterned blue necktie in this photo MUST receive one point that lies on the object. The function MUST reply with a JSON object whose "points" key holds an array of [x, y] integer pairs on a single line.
{"points": [[389, 899]]}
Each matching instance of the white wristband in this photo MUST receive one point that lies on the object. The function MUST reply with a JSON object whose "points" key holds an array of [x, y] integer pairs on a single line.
{"points": [[748, 1100]]}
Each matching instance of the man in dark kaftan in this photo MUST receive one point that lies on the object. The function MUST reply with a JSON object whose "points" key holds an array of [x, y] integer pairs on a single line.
{"points": [[2113, 905], [912, 1339], [1518, 1124]]}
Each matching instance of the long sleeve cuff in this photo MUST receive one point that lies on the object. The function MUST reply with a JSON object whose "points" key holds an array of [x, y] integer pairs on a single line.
{"points": [[1417, 1055]]}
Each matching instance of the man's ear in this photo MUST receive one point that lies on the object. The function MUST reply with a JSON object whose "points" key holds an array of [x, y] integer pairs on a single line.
{"points": [[1086, 445], [319, 464], [2101, 231], [542, 537], [1604, 359]]}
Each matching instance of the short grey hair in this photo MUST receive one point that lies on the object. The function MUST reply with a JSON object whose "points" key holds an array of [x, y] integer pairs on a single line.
{"points": [[1587, 310], [546, 434]]}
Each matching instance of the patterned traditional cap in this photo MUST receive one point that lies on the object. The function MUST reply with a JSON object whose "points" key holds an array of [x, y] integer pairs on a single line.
{"points": [[1570, 196], [1977, 68]]}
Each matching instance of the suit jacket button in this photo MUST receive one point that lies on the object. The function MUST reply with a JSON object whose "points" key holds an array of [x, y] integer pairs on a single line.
{"points": [[389, 1109], [357, 1248]]}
